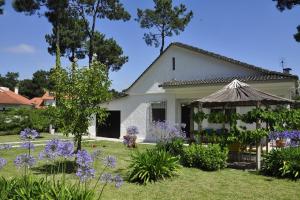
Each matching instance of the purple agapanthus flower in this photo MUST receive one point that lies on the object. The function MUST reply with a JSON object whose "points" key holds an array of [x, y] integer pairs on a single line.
{"points": [[29, 134], [66, 149], [110, 161], [132, 130], [2, 162], [106, 178], [27, 145], [85, 173], [97, 154], [164, 130], [51, 150], [118, 181], [5, 146], [84, 159], [24, 160]]}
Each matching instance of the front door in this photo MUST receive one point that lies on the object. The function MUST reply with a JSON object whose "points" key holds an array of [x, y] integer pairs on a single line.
{"points": [[185, 118], [111, 127]]}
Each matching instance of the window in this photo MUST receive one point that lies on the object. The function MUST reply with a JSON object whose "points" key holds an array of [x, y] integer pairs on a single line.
{"points": [[158, 111], [173, 63]]}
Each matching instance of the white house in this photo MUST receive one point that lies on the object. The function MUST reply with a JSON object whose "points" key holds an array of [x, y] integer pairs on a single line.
{"points": [[181, 74]]}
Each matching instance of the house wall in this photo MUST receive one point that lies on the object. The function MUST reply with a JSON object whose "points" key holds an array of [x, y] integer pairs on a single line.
{"points": [[135, 108], [189, 66]]}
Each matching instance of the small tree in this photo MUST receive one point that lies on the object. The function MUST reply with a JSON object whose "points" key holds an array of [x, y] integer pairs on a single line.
{"points": [[79, 93], [165, 19]]}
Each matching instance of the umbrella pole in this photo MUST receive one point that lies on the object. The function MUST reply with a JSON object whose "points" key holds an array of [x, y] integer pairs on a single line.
{"points": [[258, 143]]}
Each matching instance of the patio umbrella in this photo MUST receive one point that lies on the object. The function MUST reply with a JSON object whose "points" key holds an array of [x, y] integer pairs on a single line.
{"points": [[238, 93]]}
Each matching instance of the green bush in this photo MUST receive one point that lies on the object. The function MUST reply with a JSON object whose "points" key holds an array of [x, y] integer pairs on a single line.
{"points": [[282, 163], [15, 120], [174, 146], [152, 165], [30, 188], [210, 158]]}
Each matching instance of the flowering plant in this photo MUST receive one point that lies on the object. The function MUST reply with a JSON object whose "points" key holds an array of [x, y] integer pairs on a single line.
{"points": [[292, 137], [130, 137], [166, 131]]}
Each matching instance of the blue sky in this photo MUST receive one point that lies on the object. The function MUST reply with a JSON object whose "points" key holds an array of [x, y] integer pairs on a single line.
{"points": [[253, 31]]}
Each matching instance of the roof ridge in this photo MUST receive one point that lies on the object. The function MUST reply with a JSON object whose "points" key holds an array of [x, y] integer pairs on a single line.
{"points": [[229, 59], [215, 55]]}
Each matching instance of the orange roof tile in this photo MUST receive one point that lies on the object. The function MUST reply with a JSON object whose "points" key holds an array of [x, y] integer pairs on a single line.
{"points": [[8, 97]]}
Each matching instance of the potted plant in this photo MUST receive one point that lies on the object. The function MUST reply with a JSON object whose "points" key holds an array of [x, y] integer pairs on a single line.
{"points": [[130, 137]]}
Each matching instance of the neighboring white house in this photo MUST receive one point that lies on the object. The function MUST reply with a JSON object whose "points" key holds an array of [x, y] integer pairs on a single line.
{"points": [[181, 74], [10, 99]]}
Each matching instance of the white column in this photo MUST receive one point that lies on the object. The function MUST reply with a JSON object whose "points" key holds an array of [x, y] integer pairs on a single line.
{"points": [[92, 127], [171, 109]]}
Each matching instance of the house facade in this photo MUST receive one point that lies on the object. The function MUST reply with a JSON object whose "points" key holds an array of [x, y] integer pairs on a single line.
{"points": [[180, 75], [42, 102], [10, 99]]}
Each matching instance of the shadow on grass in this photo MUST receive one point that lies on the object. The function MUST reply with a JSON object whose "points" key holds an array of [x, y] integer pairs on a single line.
{"points": [[68, 167]]}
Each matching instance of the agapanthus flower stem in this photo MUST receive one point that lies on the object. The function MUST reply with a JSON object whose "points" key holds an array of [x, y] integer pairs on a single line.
{"points": [[99, 177], [102, 191]]}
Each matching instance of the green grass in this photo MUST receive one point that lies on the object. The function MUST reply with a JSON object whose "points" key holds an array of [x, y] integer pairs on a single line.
{"points": [[16, 138], [191, 184]]}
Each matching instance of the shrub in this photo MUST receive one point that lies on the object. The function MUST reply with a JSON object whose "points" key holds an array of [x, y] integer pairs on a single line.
{"points": [[209, 158], [174, 146], [152, 165], [27, 187], [15, 120], [282, 163]]}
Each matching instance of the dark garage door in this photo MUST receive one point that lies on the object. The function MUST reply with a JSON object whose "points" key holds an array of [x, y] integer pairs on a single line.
{"points": [[111, 127]]}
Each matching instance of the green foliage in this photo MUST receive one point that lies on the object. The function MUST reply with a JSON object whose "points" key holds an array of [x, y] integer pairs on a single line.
{"points": [[109, 52], [165, 19], [10, 80], [71, 35], [36, 86], [152, 165], [283, 162], [217, 117], [297, 35], [15, 120], [284, 4], [209, 158], [174, 146], [89, 12], [199, 117], [2, 2], [79, 93], [26, 187]]}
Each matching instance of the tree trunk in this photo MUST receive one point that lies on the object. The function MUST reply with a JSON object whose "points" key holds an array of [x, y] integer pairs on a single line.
{"points": [[79, 139], [162, 41], [57, 43]]}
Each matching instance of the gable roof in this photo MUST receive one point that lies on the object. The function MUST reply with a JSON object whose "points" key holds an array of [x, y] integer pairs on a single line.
{"points": [[8, 97], [217, 56], [39, 101], [222, 80]]}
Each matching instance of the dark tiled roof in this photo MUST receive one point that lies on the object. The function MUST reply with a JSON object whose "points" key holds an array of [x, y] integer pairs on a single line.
{"points": [[224, 58], [267, 77]]}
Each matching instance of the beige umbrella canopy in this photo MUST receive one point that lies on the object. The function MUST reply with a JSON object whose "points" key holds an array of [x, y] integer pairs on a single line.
{"points": [[238, 93]]}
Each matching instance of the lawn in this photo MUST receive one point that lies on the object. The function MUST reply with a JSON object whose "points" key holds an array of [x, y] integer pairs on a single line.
{"points": [[43, 136], [190, 184]]}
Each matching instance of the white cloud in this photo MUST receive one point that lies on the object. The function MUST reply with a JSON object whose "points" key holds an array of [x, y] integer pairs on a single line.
{"points": [[21, 49]]}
